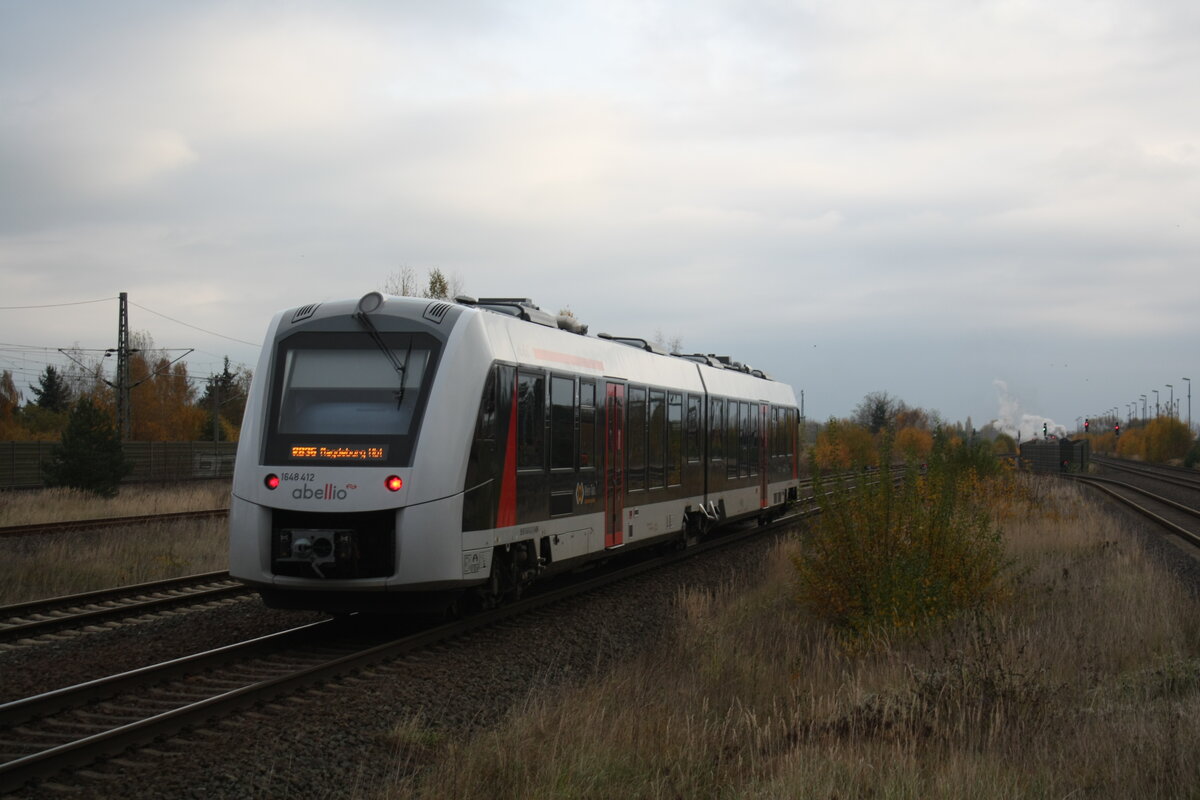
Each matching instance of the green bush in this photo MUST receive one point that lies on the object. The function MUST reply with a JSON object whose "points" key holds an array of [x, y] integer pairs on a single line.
{"points": [[894, 557]]}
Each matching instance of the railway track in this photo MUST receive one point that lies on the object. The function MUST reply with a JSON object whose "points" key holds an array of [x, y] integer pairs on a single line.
{"points": [[1181, 519], [38, 617], [1176, 476], [70, 727], [109, 522]]}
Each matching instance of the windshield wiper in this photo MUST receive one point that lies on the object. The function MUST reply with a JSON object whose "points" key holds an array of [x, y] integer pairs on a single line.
{"points": [[371, 302]]}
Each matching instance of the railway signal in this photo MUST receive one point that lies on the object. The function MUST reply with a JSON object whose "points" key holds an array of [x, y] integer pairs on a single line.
{"points": [[1085, 426], [1117, 428]]}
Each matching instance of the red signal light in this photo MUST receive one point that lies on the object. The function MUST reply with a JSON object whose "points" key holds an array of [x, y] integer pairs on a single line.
{"points": [[393, 483], [271, 481]]}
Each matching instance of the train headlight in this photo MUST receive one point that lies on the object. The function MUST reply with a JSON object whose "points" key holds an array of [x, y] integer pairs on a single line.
{"points": [[370, 303], [393, 483], [271, 481]]}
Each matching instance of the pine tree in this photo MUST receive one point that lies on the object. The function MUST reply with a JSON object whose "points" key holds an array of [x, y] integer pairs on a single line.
{"points": [[52, 392], [439, 287], [89, 456], [225, 392]]}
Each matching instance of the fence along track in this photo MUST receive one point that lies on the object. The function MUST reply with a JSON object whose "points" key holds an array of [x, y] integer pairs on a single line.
{"points": [[21, 462], [260, 669]]}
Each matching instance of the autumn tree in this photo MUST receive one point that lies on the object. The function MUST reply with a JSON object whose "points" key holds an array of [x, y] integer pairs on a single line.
{"points": [[161, 396], [906, 417], [10, 404], [1004, 444], [843, 444], [89, 456], [914, 444], [1166, 438]]}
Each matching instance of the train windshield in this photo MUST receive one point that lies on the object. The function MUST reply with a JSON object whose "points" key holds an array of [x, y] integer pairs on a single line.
{"points": [[350, 391], [337, 396]]}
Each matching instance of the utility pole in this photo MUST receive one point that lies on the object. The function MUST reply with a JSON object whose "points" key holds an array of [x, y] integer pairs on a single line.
{"points": [[1189, 380], [216, 410], [802, 430], [123, 399]]}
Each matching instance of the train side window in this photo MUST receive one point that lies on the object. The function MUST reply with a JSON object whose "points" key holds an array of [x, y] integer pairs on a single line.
{"points": [[733, 442], [587, 423], [754, 440], [745, 435], [562, 422], [716, 430], [674, 439], [486, 424], [635, 428], [655, 450], [531, 420], [693, 443]]}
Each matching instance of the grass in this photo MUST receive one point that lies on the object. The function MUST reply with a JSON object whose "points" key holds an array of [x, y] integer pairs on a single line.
{"points": [[1083, 680], [62, 505], [57, 564]]}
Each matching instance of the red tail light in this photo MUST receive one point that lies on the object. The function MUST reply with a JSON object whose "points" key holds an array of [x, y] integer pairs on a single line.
{"points": [[393, 483], [271, 481]]}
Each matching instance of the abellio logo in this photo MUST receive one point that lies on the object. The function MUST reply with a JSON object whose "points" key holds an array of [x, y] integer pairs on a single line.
{"points": [[328, 492]]}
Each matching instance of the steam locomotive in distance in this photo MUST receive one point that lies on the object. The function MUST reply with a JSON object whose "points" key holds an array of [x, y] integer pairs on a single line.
{"points": [[398, 451]]}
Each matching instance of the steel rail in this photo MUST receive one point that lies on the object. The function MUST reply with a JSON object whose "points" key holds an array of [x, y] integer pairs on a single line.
{"points": [[44, 616], [1156, 471], [43, 763], [1099, 483], [67, 526]]}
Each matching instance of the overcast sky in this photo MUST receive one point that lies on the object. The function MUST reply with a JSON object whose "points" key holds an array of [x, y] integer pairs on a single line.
{"points": [[980, 208]]}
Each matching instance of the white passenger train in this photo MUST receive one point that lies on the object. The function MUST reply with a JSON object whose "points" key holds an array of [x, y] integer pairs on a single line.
{"points": [[397, 451]]}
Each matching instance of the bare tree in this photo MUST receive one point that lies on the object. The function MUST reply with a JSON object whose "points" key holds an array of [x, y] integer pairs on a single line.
{"points": [[402, 282], [672, 345], [877, 411]]}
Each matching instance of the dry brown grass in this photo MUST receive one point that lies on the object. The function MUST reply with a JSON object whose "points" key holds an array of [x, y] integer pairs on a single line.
{"points": [[60, 564], [61, 504], [57, 564], [1085, 681]]}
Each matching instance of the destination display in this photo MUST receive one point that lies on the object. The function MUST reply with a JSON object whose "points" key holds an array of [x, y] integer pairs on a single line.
{"points": [[326, 452]]}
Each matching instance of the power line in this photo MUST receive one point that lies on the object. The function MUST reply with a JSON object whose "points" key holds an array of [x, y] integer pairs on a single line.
{"points": [[193, 327], [57, 305]]}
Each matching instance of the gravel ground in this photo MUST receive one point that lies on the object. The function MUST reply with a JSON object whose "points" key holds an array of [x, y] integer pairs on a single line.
{"points": [[1179, 558], [336, 741], [64, 659]]}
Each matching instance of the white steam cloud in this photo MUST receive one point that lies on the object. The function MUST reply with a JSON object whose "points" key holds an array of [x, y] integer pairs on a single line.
{"points": [[1015, 422]]}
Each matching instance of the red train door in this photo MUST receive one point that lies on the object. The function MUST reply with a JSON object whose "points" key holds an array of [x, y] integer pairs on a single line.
{"points": [[764, 454], [614, 465]]}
